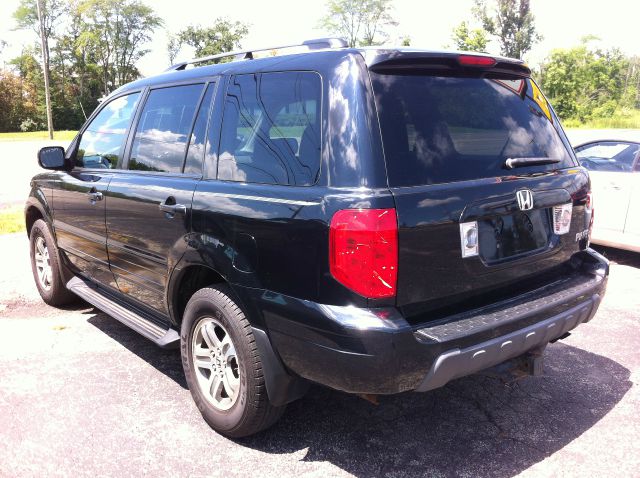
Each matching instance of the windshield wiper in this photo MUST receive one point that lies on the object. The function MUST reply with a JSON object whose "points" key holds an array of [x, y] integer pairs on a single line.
{"points": [[511, 163]]}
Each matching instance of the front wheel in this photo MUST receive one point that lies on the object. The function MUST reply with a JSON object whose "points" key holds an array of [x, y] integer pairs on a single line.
{"points": [[46, 267], [222, 365]]}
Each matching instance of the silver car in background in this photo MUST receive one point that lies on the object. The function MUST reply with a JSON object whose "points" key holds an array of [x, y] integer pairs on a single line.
{"points": [[614, 167]]}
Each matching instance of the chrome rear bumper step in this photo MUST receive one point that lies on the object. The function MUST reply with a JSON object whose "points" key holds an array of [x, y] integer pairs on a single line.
{"points": [[165, 338]]}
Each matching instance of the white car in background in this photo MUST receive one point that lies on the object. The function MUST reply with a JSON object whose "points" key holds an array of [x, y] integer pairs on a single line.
{"points": [[614, 167]]}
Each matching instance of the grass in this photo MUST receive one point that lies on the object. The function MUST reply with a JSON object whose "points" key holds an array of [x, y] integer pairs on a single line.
{"points": [[11, 220], [36, 135], [626, 120]]}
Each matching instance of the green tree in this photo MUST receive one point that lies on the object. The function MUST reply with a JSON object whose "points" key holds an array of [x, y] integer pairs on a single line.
{"points": [[76, 76], [41, 16], [511, 22], [116, 32], [631, 93], [10, 90], [29, 105], [173, 47], [585, 82], [223, 37], [465, 39], [360, 22]]}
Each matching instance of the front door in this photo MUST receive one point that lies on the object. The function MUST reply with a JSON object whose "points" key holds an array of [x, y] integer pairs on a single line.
{"points": [[149, 204], [79, 195]]}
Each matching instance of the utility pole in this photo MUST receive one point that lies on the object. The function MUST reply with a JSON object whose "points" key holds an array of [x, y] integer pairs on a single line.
{"points": [[45, 61]]}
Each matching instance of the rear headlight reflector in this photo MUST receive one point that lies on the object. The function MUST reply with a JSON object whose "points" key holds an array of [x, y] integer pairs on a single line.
{"points": [[562, 218], [469, 238]]}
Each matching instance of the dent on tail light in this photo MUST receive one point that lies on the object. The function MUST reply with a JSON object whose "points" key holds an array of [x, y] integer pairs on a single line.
{"points": [[363, 251], [588, 204]]}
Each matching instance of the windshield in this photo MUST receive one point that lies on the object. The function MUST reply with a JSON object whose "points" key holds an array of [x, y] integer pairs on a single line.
{"points": [[439, 129]]}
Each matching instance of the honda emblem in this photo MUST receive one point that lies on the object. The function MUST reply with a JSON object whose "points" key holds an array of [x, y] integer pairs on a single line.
{"points": [[525, 199]]}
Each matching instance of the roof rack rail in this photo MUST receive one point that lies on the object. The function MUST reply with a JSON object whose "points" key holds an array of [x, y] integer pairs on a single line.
{"points": [[314, 44]]}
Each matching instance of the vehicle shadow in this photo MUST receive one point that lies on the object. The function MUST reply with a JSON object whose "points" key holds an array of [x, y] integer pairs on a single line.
{"points": [[165, 361], [478, 425], [620, 256]]}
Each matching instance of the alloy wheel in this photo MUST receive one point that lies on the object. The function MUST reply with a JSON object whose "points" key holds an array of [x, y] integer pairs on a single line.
{"points": [[216, 363]]}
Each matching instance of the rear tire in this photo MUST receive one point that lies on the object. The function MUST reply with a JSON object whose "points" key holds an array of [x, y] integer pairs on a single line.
{"points": [[46, 266], [222, 365]]}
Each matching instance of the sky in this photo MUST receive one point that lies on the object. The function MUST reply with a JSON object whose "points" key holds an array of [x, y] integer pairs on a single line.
{"points": [[428, 23]]}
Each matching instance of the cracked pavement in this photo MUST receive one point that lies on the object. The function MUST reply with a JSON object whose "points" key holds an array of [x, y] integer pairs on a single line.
{"points": [[82, 395]]}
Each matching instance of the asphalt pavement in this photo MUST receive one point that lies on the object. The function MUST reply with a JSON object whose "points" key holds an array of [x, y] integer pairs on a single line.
{"points": [[82, 395]]}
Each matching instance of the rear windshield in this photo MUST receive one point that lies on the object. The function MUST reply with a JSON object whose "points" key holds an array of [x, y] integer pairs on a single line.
{"points": [[442, 129]]}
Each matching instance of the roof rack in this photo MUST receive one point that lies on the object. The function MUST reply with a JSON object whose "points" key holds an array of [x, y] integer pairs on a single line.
{"points": [[315, 44]]}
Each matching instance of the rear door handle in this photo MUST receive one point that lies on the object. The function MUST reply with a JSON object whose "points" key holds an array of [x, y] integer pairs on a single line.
{"points": [[173, 208], [94, 196]]}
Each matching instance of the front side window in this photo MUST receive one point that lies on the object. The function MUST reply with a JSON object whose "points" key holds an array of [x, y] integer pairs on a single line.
{"points": [[271, 129], [163, 130], [613, 156], [102, 141]]}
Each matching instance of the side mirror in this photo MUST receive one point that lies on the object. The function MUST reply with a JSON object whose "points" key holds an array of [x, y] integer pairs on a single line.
{"points": [[51, 157]]}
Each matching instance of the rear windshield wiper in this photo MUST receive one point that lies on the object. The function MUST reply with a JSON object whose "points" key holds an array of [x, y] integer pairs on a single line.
{"points": [[511, 163]]}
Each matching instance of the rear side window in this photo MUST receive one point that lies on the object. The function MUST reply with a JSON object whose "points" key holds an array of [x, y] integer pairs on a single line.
{"points": [[271, 129], [163, 129], [102, 141], [446, 129], [195, 153]]}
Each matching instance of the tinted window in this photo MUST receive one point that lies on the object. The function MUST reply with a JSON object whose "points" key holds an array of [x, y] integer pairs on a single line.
{"points": [[195, 153], [444, 129], [162, 133], [271, 129], [102, 141], [616, 156]]}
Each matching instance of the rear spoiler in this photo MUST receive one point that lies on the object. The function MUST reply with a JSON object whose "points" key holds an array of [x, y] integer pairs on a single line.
{"points": [[384, 60]]}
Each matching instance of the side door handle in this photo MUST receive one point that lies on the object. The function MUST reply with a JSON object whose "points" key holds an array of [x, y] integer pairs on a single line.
{"points": [[94, 196], [173, 208]]}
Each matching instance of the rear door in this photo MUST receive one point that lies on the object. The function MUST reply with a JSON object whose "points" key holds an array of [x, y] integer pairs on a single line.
{"points": [[468, 223], [78, 197], [149, 203]]}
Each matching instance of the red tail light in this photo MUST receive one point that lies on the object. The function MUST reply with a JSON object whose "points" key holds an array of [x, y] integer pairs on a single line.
{"points": [[363, 251], [475, 60]]}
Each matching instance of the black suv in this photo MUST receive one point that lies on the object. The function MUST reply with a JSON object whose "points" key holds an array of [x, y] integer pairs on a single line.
{"points": [[372, 220]]}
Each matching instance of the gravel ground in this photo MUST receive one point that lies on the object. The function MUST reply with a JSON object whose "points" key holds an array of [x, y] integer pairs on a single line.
{"points": [[82, 395]]}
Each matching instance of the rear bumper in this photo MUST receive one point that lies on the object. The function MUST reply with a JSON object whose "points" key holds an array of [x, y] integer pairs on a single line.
{"points": [[460, 362], [377, 351]]}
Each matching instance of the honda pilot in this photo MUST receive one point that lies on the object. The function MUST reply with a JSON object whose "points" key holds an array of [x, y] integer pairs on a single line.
{"points": [[368, 219]]}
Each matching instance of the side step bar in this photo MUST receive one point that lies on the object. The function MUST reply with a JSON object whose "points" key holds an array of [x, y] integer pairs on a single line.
{"points": [[165, 338]]}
